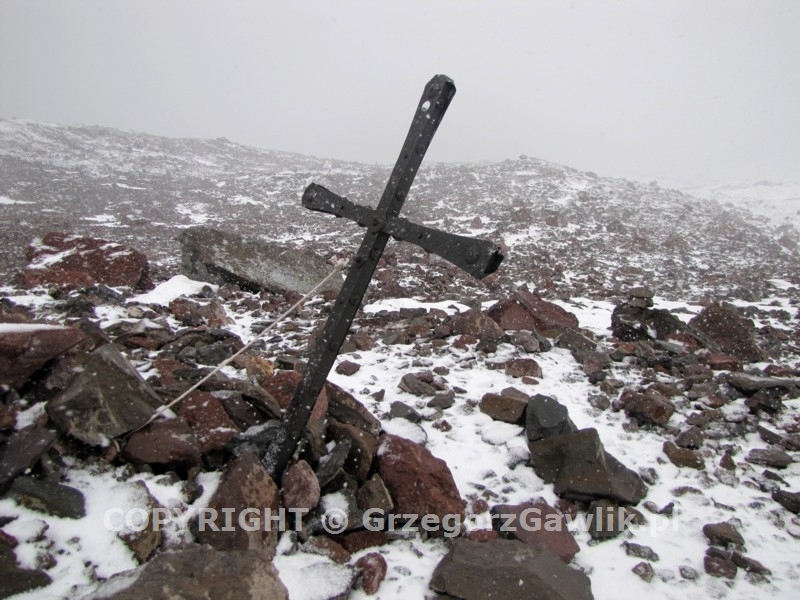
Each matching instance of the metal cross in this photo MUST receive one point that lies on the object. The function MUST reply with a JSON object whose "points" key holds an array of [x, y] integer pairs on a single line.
{"points": [[477, 257]]}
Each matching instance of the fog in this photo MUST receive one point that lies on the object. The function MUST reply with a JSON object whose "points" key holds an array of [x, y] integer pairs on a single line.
{"points": [[701, 91]]}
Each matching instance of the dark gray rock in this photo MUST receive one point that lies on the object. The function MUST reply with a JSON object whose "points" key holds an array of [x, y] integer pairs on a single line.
{"points": [[582, 470], [788, 500], [630, 323], [48, 497], [106, 399], [506, 570], [771, 457], [546, 417], [443, 400], [15, 580], [224, 257], [22, 451], [401, 410]]}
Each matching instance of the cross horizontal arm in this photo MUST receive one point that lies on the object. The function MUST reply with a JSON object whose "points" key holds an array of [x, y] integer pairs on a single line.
{"points": [[477, 257]]}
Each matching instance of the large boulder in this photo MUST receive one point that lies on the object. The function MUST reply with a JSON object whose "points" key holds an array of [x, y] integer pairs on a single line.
{"points": [[730, 331], [420, 483], [507, 570], [80, 261], [580, 469], [524, 310], [107, 398], [223, 257], [26, 347], [196, 574]]}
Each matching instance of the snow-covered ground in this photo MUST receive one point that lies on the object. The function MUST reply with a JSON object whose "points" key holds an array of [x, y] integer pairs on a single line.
{"points": [[487, 459]]}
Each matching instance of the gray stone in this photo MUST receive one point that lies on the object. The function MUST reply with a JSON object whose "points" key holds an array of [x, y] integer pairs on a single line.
{"points": [[443, 400], [15, 580], [546, 417], [198, 574], [401, 410], [22, 451], [788, 500], [506, 570], [770, 457], [48, 497], [224, 257], [106, 399]]}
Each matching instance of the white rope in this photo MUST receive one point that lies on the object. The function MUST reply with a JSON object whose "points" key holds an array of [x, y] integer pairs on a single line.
{"points": [[161, 409]]}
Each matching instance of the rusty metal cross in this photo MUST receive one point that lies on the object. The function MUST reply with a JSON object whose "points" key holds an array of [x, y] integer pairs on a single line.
{"points": [[477, 257]]}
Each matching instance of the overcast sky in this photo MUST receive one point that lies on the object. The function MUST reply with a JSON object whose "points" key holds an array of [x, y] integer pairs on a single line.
{"points": [[677, 89]]}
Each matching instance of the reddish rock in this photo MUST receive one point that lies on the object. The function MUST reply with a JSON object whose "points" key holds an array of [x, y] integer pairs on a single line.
{"points": [[648, 408], [730, 331], [325, 546], [347, 368], [356, 541], [26, 347], [8, 417], [503, 408], [723, 534], [209, 420], [373, 569], [537, 524], [65, 259], [723, 362], [420, 483], [482, 535], [346, 409], [523, 367], [163, 442], [300, 487], [683, 457], [720, 567], [194, 314], [524, 310], [245, 484], [282, 386], [476, 324]]}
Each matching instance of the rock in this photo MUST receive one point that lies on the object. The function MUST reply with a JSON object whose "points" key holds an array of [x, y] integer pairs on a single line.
{"points": [[373, 570], [194, 314], [770, 457], [506, 570], [363, 446], [209, 421], [245, 484], [753, 383], [607, 520], [630, 323], [300, 487], [356, 541], [477, 324], [723, 362], [15, 580], [224, 257], [163, 442], [732, 333], [325, 546], [282, 386], [546, 417], [691, 438], [26, 347], [373, 494], [639, 551], [719, 567], [22, 451], [503, 408], [723, 534], [788, 500], [537, 524], [648, 408], [142, 541], [443, 400], [688, 572], [401, 410], [412, 384], [582, 470], [331, 465], [683, 457], [522, 367], [106, 399], [524, 310], [346, 409], [644, 570], [48, 497], [77, 261], [347, 368], [419, 483], [195, 574]]}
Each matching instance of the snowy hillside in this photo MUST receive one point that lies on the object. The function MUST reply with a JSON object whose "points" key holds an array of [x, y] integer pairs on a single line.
{"points": [[637, 351]]}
